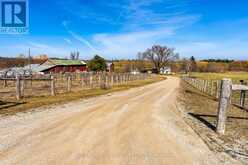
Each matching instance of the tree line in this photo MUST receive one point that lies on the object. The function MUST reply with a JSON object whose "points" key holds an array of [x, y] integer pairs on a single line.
{"points": [[18, 62], [154, 58], [193, 65]]}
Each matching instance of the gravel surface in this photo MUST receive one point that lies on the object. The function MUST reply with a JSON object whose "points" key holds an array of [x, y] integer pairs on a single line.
{"points": [[139, 126]]}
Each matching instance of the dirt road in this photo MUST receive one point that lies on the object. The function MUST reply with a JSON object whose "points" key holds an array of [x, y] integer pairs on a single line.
{"points": [[139, 126]]}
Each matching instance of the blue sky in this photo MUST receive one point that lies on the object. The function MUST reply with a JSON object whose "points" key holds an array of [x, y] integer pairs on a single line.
{"points": [[120, 29]]}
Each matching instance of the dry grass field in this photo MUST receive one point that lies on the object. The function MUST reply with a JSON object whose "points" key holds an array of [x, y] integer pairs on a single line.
{"points": [[235, 76]]}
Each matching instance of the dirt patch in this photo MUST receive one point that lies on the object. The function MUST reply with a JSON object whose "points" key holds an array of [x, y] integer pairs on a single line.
{"points": [[201, 114]]}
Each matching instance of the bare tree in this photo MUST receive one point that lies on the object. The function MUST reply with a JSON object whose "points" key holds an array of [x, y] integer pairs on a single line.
{"points": [[161, 56], [74, 55], [186, 65]]}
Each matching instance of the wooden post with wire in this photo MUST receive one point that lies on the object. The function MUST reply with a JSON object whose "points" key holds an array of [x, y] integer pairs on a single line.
{"points": [[18, 87], [224, 104], [68, 83], [52, 86], [22, 86], [242, 95]]}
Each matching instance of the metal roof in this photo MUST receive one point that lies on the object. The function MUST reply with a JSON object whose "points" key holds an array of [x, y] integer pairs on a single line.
{"points": [[42, 68], [66, 62]]}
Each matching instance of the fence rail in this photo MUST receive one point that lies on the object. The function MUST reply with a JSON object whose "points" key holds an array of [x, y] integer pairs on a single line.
{"points": [[225, 92], [20, 87]]}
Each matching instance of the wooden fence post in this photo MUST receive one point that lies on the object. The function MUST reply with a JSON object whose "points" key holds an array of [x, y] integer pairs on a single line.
{"points": [[117, 79], [68, 83], [91, 81], [5, 84], [202, 85], [22, 86], [224, 104], [106, 80], [125, 78], [121, 78], [208, 87], [18, 87], [52, 86], [242, 95], [112, 80], [31, 81], [99, 79], [217, 89], [82, 80], [212, 88]]}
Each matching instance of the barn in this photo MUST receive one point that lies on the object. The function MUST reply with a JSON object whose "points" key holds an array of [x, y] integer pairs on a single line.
{"points": [[62, 66]]}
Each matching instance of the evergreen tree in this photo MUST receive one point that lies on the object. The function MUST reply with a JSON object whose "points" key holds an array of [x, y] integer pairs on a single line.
{"points": [[97, 64]]}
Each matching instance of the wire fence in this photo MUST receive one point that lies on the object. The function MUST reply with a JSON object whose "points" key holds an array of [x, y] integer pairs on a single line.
{"points": [[42, 85], [213, 87]]}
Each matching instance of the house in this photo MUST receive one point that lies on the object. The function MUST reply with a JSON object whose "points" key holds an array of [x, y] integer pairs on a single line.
{"points": [[62, 66], [110, 67], [165, 70], [135, 72]]}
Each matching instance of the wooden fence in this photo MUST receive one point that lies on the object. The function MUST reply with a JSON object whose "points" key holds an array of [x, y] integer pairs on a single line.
{"points": [[225, 92], [61, 83]]}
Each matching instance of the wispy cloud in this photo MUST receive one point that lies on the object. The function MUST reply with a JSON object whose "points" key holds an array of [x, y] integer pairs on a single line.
{"points": [[82, 40], [140, 24], [126, 45], [68, 41], [78, 37], [145, 14], [129, 13]]}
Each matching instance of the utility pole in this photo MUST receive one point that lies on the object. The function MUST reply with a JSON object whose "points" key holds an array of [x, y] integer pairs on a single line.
{"points": [[29, 61]]}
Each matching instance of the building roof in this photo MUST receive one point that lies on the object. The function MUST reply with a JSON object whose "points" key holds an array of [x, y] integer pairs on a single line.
{"points": [[42, 68], [66, 62]]}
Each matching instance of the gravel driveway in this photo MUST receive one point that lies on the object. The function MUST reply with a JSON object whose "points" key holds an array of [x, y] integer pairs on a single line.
{"points": [[139, 126]]}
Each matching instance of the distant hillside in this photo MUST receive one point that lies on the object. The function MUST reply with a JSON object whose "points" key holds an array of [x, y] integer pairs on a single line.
{"points": [[17, 62]]}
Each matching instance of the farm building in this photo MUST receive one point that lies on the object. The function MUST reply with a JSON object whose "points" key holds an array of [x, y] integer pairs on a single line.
{"points": [[110, 67], [62, 66], [165, 70]]}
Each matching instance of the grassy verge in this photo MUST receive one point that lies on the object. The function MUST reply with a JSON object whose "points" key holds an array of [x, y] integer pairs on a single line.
{"points": [[27, 104]]}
